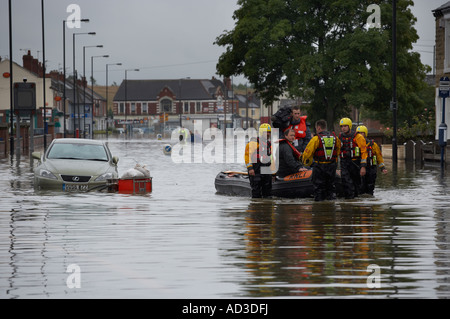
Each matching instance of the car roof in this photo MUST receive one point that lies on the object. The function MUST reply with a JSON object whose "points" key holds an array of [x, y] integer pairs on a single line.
{"points": [[77, 141]]}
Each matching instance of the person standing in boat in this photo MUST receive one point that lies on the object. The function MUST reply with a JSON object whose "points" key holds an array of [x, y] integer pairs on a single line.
{"points": [[301, 128], [289, 156], [374, 161], [258, 158], [353, 159], [322, 153]]}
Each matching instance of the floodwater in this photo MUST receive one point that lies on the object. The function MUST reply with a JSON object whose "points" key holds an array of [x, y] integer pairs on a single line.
{"points": [[185, 241]]}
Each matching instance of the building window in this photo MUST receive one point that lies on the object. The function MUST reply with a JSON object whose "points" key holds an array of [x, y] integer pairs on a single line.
{"points": [[133, 108], [166, 106], [122, 108], [198, 107], [447, 47], [186, 107], [145, 108]]}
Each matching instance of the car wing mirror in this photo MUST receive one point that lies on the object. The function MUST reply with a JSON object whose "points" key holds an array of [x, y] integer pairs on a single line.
{"points": [[36, 155], [115, 160]]}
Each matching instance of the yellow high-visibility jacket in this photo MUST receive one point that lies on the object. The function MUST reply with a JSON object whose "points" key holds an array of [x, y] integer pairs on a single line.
{"points": [[313, 145]]}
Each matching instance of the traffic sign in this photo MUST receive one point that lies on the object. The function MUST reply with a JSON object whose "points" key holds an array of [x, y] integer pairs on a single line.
{"points": [[444, 87], [24, 97]]}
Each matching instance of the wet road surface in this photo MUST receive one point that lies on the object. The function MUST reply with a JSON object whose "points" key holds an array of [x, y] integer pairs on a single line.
{"points": [[185, 241]]}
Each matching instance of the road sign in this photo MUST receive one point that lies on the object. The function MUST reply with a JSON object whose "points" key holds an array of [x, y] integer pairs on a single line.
{"points": [[24, 97], [444, 87]]}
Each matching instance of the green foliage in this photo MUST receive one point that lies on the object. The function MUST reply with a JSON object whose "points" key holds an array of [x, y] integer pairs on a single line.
{"points": [[420, 127], [321, 50]]}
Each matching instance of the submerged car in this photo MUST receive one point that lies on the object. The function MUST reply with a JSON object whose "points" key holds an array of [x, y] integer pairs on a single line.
{"points": [[75, 165]]}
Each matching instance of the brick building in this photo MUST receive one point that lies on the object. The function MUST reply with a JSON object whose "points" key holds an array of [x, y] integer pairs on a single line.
{"points": [[173, 103]]}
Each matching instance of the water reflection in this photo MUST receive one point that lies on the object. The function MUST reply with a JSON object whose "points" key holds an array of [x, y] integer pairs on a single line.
{"points": [[185, 241], [311, 249]]}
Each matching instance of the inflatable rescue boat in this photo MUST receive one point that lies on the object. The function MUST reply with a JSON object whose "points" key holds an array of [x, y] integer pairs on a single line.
{"points": [[298, 185]]}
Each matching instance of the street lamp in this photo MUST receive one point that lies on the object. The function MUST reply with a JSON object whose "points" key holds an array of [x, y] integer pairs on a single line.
{"points": [[92, 93], [126, 95], [179, 99], [394, 103], [11, 80], [43, 74], [64, 67], [84, 86], [75, 77], [107, 117]]}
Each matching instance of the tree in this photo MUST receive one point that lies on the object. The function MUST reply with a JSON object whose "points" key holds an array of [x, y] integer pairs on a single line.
{"points": [[322, 50]]}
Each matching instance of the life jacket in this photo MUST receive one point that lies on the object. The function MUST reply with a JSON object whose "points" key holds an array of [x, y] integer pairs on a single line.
{"points": [[300, 128], [371, 157], [326, 151], [297, 153], [263, 159], [349, 148]]}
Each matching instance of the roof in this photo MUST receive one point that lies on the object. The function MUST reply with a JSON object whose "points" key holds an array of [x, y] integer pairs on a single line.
{"points": [[58, 86], [443, 9], [252, 101], [77, 141], [184, 89]]}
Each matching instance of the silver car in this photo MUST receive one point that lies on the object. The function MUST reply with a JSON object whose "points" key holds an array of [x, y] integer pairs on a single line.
{"points": [[75, 165]]}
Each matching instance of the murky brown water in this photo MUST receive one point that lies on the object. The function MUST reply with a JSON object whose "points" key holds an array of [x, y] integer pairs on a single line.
{"points": [[185, 241]]}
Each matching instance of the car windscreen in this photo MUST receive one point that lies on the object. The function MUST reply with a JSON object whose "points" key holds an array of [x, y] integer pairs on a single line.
{"points": [[78, 152]]}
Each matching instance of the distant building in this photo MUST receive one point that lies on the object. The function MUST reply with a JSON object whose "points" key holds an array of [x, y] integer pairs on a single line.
{"points": [[20, 73], [442, 56], [249, 110], [174, 102], [78, 115]]}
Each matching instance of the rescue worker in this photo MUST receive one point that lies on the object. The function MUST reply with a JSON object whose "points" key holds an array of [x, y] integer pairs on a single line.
{"points": [[258, 153], [289, 156], [353, 159], [184, 135], [322, 153], [301, 128], [374, 161]]}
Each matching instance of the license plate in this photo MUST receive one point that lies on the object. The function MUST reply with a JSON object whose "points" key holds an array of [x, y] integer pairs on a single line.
{"points": [[75, 187]]}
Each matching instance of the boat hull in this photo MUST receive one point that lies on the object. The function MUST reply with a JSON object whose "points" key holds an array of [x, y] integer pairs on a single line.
{"points": [[298, 185]]}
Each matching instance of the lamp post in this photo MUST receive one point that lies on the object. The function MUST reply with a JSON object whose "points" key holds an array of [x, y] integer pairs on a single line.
{"points": [[179, 99], [64, 71], [84, 86], [92, 93], [126, 97], [107, 117], [75, 77], [394, 81], [11, 81], [43, 75]]}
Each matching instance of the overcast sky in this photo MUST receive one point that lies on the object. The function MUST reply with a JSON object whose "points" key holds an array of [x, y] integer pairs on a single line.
{"points": [[163, 38]]}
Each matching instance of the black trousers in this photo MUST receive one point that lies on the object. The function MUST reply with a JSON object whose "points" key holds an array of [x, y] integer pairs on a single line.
{"points": [[368, 181], [350, 177], [261, 184], [324, 178]]}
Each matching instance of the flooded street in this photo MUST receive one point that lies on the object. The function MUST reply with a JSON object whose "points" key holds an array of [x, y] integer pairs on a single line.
{"points": [[185, 241]]}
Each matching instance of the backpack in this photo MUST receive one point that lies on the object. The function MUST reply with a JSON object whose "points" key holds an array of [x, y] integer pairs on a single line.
{"points": [[282, 118]]}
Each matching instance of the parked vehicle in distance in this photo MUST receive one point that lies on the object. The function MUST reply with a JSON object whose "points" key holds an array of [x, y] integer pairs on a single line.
{"points": [[75, 165], [137, 130]]}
